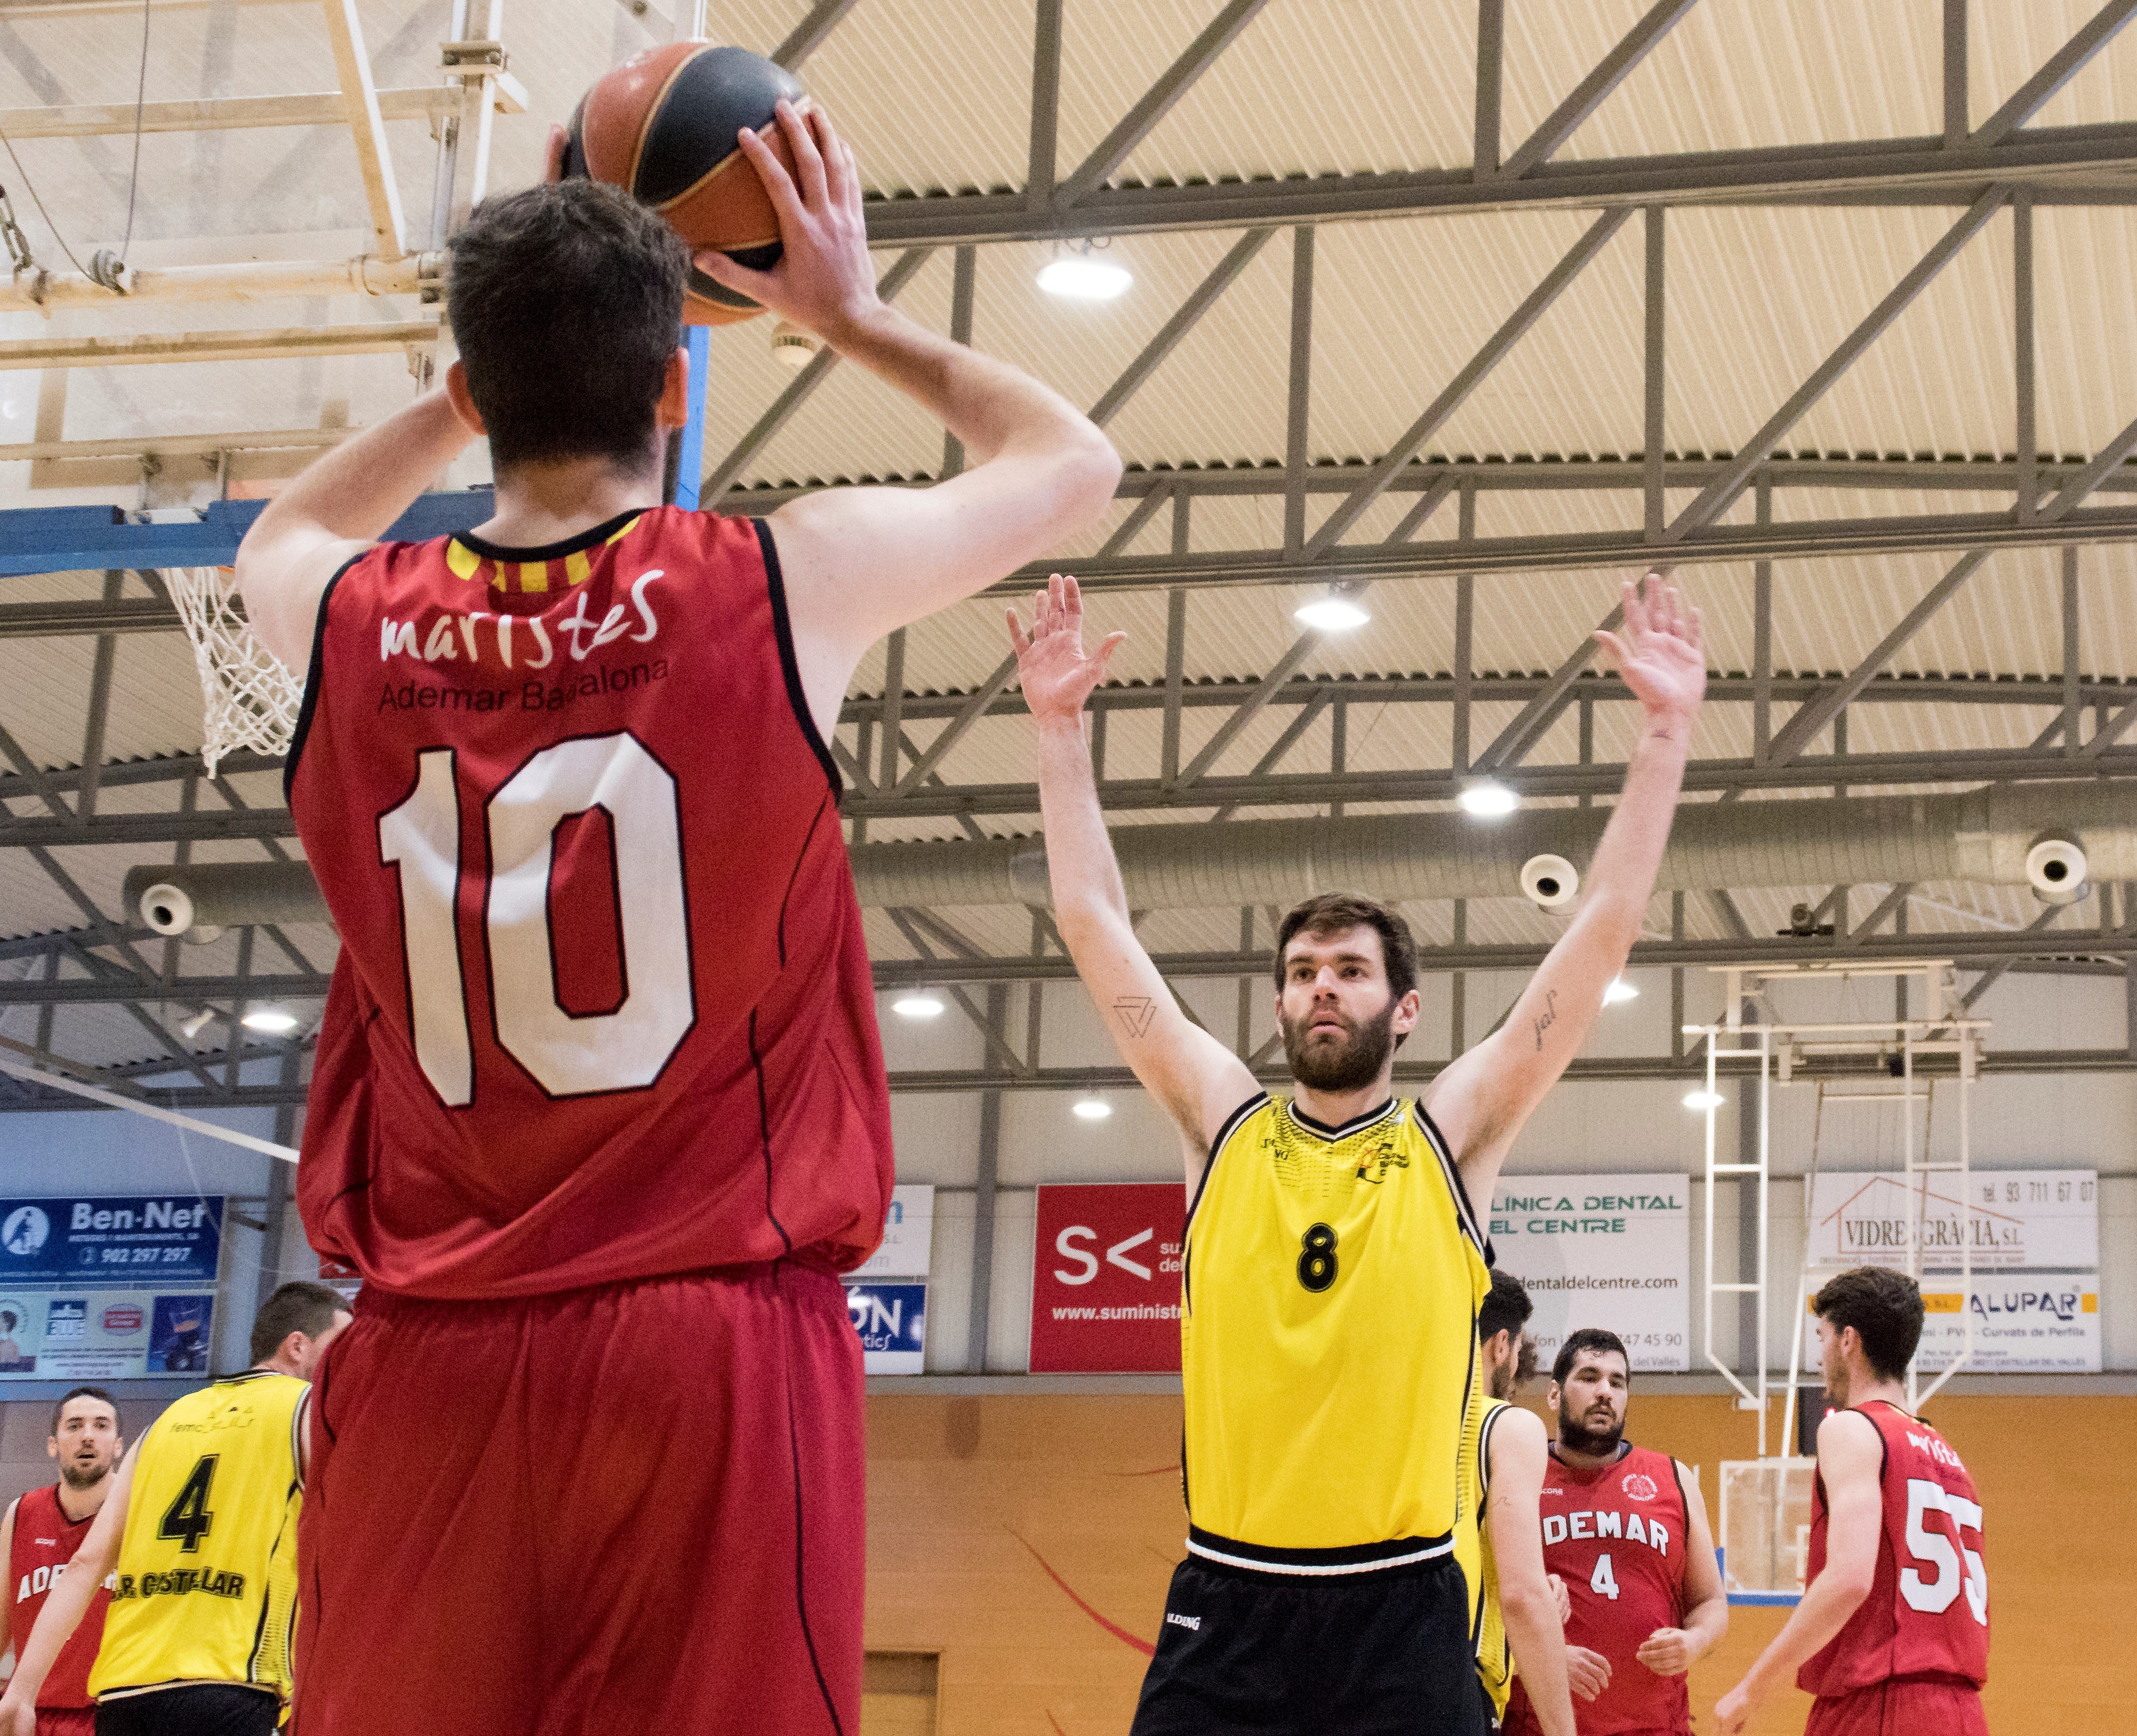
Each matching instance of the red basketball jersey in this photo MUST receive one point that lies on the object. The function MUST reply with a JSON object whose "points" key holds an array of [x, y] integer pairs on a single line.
{"points": [[46, 1540], [1616, 1535], [602, 1009], [1927, 1613]]}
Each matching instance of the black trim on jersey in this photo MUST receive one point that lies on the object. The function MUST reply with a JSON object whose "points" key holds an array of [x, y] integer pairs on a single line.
{"points": [[314, 669], [782, 628], [764, 1132], [578, 543], [801, 1556], [1445, 1153], [1230, 1126], [830, 805], [1361, 1557], [1491, 1422], [1321, 1130]]}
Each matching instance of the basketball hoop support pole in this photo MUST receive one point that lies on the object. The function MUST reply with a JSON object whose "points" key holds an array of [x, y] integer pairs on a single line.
{"points": [[690, 470]]}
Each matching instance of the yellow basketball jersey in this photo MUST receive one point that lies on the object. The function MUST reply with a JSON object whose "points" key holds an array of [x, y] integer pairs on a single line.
{"points": [[207, 1582], [1328, 1343], [1473, 1548]]}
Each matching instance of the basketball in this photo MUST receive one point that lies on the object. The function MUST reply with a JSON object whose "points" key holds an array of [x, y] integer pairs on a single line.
{"points": [[662, 127]]}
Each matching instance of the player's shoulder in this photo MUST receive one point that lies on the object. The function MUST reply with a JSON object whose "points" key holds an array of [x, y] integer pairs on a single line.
{"points": [[1515, 1427], [1849, 1436]]}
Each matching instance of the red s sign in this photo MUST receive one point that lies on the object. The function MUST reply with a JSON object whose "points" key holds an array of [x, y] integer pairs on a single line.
{"points": [[1105, 1284]]}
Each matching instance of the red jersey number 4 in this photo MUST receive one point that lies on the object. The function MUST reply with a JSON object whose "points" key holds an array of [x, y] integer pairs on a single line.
{"points": [[568, 1054]]}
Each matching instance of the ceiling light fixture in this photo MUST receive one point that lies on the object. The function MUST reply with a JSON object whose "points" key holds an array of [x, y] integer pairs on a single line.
{"points": [[1487, 799], [1093, 1109], [1619, 992], [917, 1003], [1336, 610], [1704, 1100], [192, 1026], [272, 1020], [1076, 276]]}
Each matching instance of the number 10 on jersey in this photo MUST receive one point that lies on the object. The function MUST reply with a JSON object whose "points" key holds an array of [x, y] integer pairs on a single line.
{"points": [[566, 1054]]}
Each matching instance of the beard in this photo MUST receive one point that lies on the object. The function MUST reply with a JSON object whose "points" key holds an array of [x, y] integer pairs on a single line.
{"points": [[80, 1477], [1577, 1437], [1350, 1064]]}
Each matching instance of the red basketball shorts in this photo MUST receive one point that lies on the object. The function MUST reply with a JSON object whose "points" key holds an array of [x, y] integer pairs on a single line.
{"points": [[1904, 1706], [632, 1508]]}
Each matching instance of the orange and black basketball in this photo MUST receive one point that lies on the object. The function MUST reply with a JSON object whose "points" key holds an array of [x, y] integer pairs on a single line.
{"points": [[662, 127]]}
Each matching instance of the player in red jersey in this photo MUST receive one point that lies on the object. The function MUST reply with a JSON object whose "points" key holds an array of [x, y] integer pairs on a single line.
{"points": [[39, 1536], [1892, 1633], [1624, 1528], [598, 1086]]}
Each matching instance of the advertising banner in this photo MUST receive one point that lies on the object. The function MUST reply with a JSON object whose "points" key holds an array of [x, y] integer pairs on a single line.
{"points": [[2014, 1219], [104, 1334], [1105, 1280], [2024, 1323], [1608, 1251], [908, 1232], [892, 1320], [164, 1239]]}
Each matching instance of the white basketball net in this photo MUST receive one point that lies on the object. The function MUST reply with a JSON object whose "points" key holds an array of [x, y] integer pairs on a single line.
{"points": [[252, 698]]}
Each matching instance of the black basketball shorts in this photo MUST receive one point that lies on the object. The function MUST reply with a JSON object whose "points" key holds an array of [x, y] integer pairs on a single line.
{"points": [[193, 1709], [1301, 1655]]}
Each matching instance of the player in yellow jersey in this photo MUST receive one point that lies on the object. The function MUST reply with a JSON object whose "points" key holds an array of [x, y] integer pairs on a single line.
{"points": [[201, 1531], [1332, 1266], [1516, 1612]]}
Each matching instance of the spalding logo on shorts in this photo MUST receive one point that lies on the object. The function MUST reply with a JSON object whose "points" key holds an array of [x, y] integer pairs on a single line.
{"points": [[1640, 1487]]}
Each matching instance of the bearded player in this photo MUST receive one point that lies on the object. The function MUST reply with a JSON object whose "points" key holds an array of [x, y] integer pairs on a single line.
{"points": [[1333, 1268], [1517, 1614], [1624, 1528], [599, 1083], [41, 1533], [1891, 1635]]}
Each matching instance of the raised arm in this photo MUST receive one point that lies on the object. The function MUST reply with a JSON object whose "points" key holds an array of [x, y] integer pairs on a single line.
{"points": [[337, 508], [1481, 1099], [1527, 1601], [68, 1602], [1850, 1463], [1672, 1651], [1198, 1080], [858, 561]]}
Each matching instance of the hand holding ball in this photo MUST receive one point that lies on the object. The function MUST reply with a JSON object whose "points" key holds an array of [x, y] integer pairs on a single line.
{"points": [[663, 126]]}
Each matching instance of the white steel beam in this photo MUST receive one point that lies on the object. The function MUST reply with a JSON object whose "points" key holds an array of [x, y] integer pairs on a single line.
{"points": [[359, 102], [122, 352]]}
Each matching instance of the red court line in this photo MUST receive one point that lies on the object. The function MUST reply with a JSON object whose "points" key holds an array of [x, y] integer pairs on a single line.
{"points": [[1050, 1718], [1114, 1628]]}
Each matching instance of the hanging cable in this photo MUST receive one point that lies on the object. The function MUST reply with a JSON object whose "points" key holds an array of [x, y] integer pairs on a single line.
{"points": [[140, 91], [105, 266], [37, 200]]}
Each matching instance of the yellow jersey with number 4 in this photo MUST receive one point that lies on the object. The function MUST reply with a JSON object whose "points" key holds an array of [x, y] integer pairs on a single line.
{"points": [[1328, 1341], [206, 1589]]}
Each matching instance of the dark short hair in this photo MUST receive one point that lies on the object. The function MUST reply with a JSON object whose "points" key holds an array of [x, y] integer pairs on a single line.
{"points": [[1506, 1309], [1591, 1339], [566, 303], [66, 1399], [1337, 912], [1885, 1308], [297, 1307]]}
